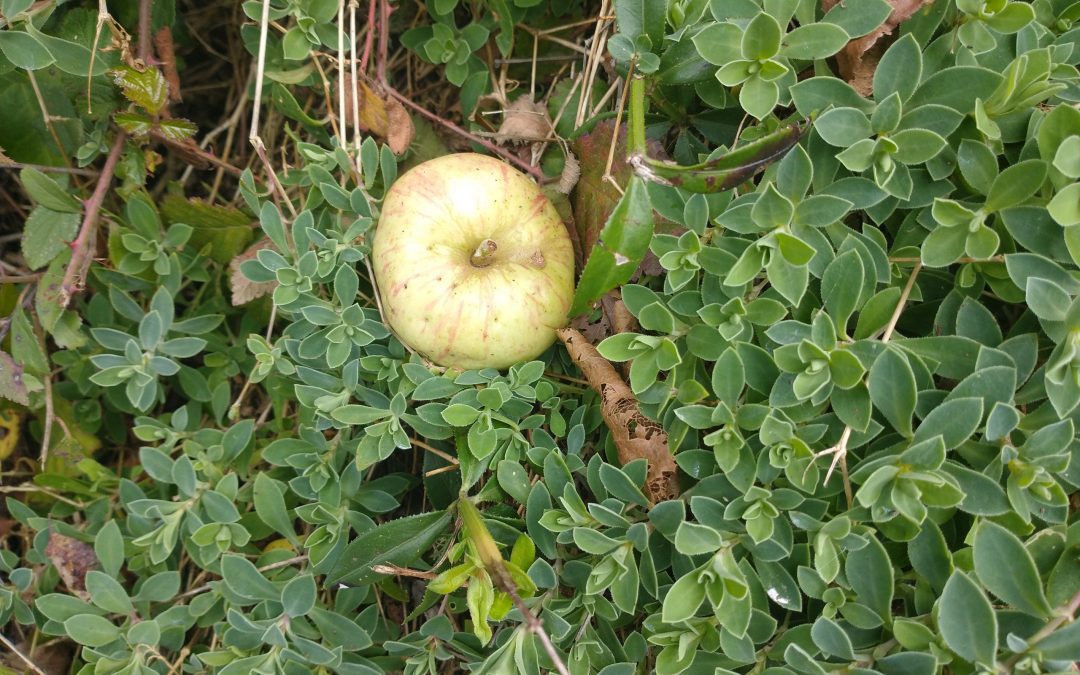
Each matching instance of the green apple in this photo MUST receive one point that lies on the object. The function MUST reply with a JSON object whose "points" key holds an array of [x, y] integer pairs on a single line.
{"points": [[474, 266]]}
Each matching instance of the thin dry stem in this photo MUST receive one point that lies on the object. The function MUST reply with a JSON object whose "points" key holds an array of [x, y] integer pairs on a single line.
{"points": [[22, 657], [840, 450]]}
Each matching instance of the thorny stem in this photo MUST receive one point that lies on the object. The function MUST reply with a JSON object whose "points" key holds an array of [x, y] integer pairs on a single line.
{"points": [[80, 248]]}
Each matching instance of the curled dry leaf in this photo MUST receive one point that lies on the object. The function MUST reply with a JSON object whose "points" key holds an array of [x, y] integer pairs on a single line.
{"points": [[72, 560], [636, 436], [524, 121], [381, 114], [859, 59], [245, 290]]}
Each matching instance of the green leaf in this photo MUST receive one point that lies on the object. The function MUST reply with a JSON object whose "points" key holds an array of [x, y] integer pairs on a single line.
{"points": [[71, 57], [146, 89], [397, 542], [761, 38], [683, 599], [298, 596], [966, 620], [622, 246], [953, 420], [1015, 185], [915, 146], [943, 246], [841, 288], [859, 19], [815, 94], [269, 500], [244, 579], [47, 192], [107, 593], [46, 233], [109, 548], [892, 389], [870, 573], [91, 630], [718, 43], [1017, 582], [957, 88], [24, 51], [831, 639], [642, 17], [1064, 208], [843, 127], [899, 70], [814, 41]]}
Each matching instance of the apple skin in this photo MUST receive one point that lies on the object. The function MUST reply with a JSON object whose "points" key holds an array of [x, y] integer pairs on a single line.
{"points": [[474, 267]]}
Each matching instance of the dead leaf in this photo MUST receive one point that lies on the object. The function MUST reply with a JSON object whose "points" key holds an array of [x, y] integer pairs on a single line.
{"points": [[524, 121], [245, 290], [858, 60], [594, 198], [636, 436], [72, 560], [381, 114]]}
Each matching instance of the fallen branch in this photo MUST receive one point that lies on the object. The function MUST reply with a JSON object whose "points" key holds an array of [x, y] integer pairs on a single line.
{"points": [[636, 436]]}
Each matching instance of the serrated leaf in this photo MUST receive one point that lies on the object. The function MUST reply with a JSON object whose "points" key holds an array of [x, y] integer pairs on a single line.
{"points": [[398, 542], [47, 192], [46, 233], [147, 88]]}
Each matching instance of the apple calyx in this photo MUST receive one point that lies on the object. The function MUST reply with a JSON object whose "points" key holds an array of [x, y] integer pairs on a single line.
{"points": [[484, 254]]}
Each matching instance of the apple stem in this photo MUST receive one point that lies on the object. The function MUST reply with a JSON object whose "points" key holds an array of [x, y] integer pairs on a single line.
{"points": [[482, 256]]}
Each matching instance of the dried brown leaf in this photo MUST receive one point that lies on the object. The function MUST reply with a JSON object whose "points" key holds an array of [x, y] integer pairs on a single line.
{"points": [[72, 560], [635, 435], [524, 121], [859, 59], [381, 114], [245, 290]]}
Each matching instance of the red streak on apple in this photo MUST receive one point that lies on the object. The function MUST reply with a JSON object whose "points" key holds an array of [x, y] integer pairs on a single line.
{"points": [[474, 266]]}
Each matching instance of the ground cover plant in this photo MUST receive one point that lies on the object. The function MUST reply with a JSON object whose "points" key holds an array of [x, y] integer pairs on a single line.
{"points": [[813, 410]]}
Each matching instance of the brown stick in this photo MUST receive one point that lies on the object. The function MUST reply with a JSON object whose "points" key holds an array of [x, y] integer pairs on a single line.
{"points": [[81, 248], [635, 435]]}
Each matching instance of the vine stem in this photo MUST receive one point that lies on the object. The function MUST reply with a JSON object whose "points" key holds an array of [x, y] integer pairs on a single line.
{"points": [[80, 255]]}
